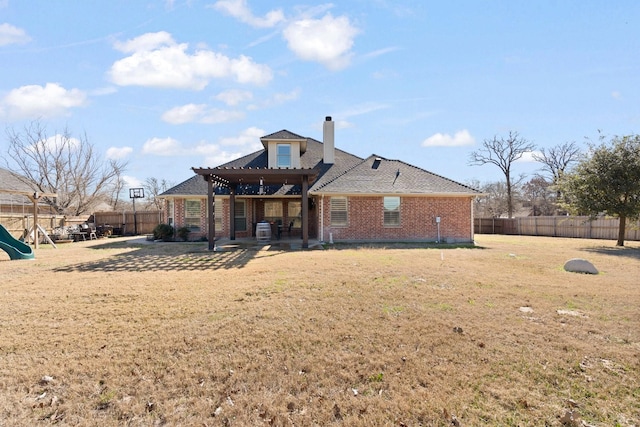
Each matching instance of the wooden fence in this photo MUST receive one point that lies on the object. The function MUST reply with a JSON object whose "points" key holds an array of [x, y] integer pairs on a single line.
{"points": [[558, 226], [16, 224], [124, 223]]}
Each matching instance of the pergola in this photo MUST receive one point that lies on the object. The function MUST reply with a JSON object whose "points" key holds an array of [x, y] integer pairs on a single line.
{"points": [[232, 177], [34, 197]]}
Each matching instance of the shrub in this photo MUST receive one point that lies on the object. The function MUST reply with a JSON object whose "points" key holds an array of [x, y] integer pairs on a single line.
{"points": [[183, 233], [163, 232]]}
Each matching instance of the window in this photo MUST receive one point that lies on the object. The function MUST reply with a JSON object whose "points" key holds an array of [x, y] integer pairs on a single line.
{"points": [[392, 211], [241, 215], [217, 212], [283, 155], [170, 212], [339, 215], [192, 214], [294, 212], [273, 211]]}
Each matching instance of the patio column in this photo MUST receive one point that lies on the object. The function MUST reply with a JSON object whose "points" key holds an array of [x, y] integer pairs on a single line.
{"points": [[305, 211], [211, 214], [232, 212]]}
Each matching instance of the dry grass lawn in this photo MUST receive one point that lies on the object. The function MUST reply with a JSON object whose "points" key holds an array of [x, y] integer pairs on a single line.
{"points": [[114, 333]]}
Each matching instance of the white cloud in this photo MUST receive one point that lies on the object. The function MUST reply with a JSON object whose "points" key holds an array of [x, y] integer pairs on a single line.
{"points": [[249, 138], [460, 138], [212, 154], [12, 35], [327, 40], [239, 10], [156, 60], [36, 101], [118, 152], [246, 142], [234, 96], [527, 157], [101, 91], [365, 108], [276, 99], [131, 181], [616, 95], [199, 113], [162, 147]]}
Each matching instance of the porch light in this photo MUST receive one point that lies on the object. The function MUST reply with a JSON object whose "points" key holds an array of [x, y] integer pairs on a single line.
{"points": [[261, 189]]}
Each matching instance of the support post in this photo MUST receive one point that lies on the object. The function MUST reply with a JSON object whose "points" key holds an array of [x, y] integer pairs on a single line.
{"points": [[211, 214], [36, 196], [232, 212], [305, 211]]}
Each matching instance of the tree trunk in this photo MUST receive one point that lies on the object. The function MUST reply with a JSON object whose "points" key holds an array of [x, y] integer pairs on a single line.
{"points": [[509, 199], [621, 230]]}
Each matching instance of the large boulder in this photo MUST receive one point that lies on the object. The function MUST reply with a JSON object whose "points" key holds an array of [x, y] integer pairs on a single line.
{"points": [[579, 265]]}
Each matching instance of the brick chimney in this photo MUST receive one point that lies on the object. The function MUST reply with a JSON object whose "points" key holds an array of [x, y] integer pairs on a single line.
{"points": [[328, 131]]}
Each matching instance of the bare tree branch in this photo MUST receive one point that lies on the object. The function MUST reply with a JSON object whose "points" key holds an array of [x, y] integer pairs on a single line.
{"points": [[502, 152], [62, 164]]}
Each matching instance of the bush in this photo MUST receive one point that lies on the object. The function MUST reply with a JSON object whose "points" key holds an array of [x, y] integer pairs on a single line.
{"points": [[163, 232], [183, 233]]}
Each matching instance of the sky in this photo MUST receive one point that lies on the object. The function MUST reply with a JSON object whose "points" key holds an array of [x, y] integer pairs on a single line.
{"points": [[166, 85]]}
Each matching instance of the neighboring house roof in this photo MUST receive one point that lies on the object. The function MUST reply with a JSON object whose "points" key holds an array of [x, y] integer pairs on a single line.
{"points": [[349, 174], [12, 182]]}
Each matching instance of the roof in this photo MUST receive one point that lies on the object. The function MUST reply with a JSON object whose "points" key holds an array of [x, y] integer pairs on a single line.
{"points": [[10, 181], [377, 175], [16, 189], [349, 174]]}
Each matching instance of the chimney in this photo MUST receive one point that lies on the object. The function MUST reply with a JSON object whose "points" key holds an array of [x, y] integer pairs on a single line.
{"points": [[328, 128]]}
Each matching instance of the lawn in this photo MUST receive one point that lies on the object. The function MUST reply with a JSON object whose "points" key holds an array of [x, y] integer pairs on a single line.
{"points": [[117, 333]]}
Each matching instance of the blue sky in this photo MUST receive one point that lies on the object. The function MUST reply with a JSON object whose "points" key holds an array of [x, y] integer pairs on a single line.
{"points": [[167, 85]]}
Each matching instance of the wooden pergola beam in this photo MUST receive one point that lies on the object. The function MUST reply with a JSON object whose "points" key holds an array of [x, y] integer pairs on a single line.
{"points": [[232, 177]]}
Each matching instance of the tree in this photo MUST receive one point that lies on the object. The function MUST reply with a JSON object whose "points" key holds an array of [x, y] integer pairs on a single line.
{"points": [[493, 204], [62, 164], [539, 194], [556, 161], [607, 181], [154, 188], [502, 152]]}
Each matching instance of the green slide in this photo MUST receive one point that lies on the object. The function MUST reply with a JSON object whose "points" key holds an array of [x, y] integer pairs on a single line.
{"points": [[14, 247]]}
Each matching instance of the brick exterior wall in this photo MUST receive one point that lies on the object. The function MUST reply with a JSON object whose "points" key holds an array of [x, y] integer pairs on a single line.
{"points": [[365, 219], [417, 220]]}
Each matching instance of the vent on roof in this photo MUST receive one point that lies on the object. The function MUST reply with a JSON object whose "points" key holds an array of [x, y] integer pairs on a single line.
{"points": [[376, 163]]}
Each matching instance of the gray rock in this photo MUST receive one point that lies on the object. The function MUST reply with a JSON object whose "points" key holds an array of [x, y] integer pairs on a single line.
{"points": [[579, 265]]}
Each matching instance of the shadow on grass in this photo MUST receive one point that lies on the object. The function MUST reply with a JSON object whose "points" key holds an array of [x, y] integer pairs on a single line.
{"points": [[616, 251], [401, 245], [165, 257]]}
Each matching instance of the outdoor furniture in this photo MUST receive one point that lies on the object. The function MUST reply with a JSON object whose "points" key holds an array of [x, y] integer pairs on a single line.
{"points": [[79, 235], [282, 229]]}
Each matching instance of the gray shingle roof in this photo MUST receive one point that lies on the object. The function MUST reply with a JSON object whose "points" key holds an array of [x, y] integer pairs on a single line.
{"points": [[349, 174], [377, 175], [13, 182], [10, 181], [283, 134]]}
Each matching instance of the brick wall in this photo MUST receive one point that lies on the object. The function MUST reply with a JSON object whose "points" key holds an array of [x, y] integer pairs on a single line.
{"points": [[417, 220]]}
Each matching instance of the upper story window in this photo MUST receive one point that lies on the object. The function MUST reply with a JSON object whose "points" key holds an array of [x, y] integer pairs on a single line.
{"points": [[283, 155]]}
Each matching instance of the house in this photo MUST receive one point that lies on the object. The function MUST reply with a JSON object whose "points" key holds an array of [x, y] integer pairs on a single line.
{"points": [[311, 189]]}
